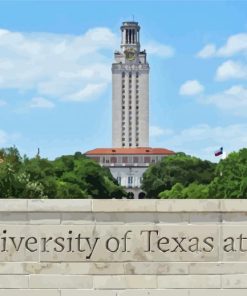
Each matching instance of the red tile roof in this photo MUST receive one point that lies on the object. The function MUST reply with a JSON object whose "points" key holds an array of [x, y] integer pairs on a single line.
{"points": [[137, 150]]}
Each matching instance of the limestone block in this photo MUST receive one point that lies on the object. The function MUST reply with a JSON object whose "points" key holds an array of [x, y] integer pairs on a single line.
{"points": [[113, 205], [29, 292], [205, 218], [77, 218], [234, 281], [154, 292], [140, 218], [233, 267], [188, 205], [15, 242], [13, 281], [57, 205], [13, 205], [173, 218], [218, 292], [12, 268], [217, 267], [205, 268], [13, 218], [109, 218], [168, 292], [234, 243], [63, 245], [125, 282], [94, 268], [79, 292], [44, 218], [156, 268], [109, 282], [234, 205], [141, 281], [43, 268], [60, 282], [234, 218], [189, 281], [138, 292]]}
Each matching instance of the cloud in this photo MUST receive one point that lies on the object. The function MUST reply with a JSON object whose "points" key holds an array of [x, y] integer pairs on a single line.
{"points": [[39, 102], [191, 88], [3, 103], [87, 92], [233, 99], [202, 140], [67, 67], [156, 131], [235, 44], [56, 65], [208, 51], [231, 70], [158, 49]]}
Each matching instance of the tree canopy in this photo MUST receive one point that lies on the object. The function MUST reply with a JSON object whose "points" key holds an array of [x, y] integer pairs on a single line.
{"points": [[70, 176], [183, 176], [179, 168]]}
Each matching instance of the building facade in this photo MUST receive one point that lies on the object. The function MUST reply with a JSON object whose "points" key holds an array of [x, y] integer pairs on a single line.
{"points": [[131, 155], [130, 91], [127, 165]]}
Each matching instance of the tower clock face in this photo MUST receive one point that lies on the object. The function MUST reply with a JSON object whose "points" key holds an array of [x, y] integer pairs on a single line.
{"points": [[130, 54]]}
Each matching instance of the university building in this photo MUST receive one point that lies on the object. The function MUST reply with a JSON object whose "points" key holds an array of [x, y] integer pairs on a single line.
{"points": [[130, 154]]}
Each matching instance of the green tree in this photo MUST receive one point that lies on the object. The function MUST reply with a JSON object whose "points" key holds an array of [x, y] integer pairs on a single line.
{"points": [[192, 191], [175, 192], [68, 176], [230, 177], [179, 168]]}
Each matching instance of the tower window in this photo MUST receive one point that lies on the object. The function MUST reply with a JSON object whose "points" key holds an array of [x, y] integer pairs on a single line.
{"points": [[123, 74], [130, 180], [137, 74]]}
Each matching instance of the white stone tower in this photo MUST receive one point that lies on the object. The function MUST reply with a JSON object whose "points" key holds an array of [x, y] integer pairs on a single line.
{"points": [[130, 91]]}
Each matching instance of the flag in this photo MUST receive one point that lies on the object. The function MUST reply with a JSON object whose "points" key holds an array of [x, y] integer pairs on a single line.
{"points": [[218, 152]]}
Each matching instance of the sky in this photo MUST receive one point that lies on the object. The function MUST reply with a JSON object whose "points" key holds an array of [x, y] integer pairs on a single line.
{"points": [[55, 74]]}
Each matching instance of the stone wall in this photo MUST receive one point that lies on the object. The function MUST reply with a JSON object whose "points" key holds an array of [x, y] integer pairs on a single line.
{"points": [[123, 247]]}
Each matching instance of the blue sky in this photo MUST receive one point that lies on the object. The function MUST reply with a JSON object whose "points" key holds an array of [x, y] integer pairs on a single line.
{"points": [[55, 74]]}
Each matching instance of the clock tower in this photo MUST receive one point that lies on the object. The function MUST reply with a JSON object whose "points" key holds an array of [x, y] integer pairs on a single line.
{"points": [[130, 91]]}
